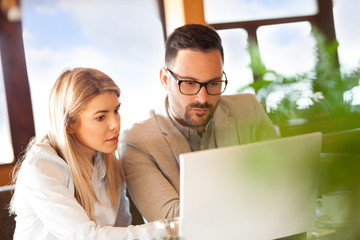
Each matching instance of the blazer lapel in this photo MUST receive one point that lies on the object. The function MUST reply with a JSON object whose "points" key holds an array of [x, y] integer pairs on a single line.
{"points": [[172, 135], [225, 128], [178, 143]]}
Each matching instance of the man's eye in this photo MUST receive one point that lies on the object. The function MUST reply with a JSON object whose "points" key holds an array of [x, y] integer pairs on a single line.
{"points": [[189, 83], [214, 83]]}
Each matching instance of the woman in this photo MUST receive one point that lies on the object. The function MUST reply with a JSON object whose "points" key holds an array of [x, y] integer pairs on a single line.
{"points": [[69, 184]]}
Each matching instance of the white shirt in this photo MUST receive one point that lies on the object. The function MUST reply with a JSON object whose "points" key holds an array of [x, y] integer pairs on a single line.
{"points": [[46, 208]]}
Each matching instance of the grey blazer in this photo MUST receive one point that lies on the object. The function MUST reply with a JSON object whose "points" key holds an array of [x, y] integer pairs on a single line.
{"points": [[149, 150]]}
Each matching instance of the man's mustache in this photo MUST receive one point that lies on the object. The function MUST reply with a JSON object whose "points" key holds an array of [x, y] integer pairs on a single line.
{"points": [[200, 105]]}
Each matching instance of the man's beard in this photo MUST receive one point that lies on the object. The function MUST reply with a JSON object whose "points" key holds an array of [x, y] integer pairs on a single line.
{"points": [[190, 119]]}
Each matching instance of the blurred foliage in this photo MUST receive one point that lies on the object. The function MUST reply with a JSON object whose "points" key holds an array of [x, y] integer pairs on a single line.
{"points": [[318, 100], [322, 88]]}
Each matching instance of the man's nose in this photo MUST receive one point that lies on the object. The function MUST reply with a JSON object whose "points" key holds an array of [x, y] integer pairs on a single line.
{"points": [[202, 96]]}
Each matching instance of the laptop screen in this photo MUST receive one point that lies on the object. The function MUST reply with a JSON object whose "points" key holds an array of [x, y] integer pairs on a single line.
{"points": [[263, 190]]}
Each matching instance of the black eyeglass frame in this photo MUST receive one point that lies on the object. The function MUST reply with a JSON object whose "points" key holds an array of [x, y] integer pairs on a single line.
{"points": [[205, 84]]}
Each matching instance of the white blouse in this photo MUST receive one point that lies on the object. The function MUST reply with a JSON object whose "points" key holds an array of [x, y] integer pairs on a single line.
{"points": [[46, 208]]}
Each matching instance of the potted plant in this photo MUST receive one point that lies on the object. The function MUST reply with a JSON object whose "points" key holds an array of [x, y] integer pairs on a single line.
{"points": [[324, 89]]}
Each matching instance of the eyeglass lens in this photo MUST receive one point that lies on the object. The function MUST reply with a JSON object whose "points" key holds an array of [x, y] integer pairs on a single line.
{"points": [[212, 87]]}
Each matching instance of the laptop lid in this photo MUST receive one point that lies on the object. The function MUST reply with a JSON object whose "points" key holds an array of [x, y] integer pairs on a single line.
{"points": [[263, 190]]}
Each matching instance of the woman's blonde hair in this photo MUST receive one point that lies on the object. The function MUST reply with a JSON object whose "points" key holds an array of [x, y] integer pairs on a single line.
{"points": [[69, 95]]}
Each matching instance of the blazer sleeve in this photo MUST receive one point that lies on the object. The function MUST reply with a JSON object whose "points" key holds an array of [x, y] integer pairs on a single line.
{"points": [[148, 172]]}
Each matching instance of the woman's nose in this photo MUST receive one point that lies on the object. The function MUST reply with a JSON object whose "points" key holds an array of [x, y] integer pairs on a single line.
{"points": [[115, 123]]}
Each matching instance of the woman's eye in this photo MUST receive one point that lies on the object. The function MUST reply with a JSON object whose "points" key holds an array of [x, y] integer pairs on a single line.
{"points": [[100, 118], [117, 109]]}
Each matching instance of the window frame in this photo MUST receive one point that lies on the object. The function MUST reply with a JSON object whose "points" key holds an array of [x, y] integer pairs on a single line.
{"points": [[323, 20], [17, 91]]}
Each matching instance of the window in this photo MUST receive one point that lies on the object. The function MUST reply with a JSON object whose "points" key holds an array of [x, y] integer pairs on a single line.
{"points": [[121, 38], [237, 59], [6, 150], [287, 48], [347, 25], [244, 10]]}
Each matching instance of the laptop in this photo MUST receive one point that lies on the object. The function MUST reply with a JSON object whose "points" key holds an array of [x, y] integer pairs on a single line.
{"points": [[264, 190]]}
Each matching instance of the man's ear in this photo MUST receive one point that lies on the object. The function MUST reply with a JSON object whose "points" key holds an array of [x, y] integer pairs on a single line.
{"points": [[164, 77]]}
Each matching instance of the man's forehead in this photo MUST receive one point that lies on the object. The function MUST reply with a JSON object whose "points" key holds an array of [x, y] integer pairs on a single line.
{"points": [[196, 64]]}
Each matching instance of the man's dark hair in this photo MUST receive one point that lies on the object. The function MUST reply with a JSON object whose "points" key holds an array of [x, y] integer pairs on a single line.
{"points": [[192, 36]]}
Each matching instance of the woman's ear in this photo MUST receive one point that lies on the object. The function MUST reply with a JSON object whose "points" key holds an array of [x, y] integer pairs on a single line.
{"points": [[70, 128], [164, 77]]}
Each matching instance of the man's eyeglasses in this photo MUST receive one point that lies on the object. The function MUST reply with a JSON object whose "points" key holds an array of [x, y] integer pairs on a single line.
{"points": [[191, 87]]}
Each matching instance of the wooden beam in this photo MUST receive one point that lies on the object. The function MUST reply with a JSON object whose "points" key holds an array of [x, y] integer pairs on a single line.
{"points": [[181, 12], [5, 174], [254, 24], [194, 11], [11, 9], [325, 22], [17, 90], [162, 17]]}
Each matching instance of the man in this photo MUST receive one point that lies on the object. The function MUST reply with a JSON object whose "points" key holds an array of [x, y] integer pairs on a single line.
{"points": [[194, 116]]}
